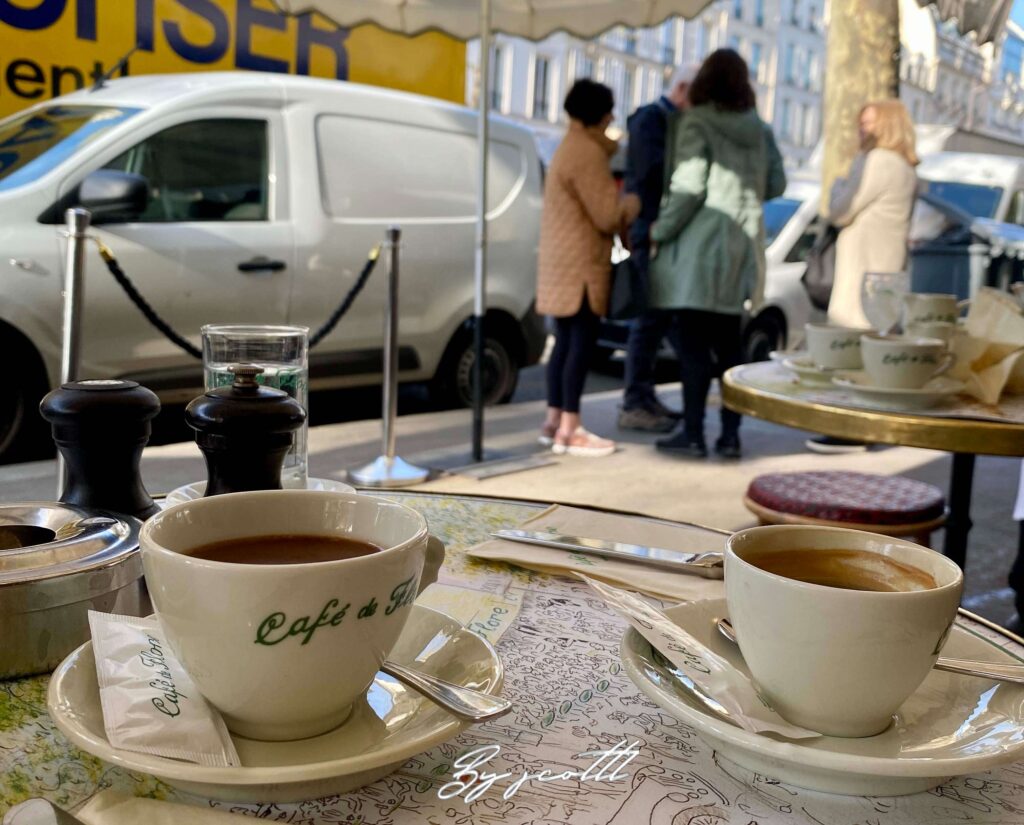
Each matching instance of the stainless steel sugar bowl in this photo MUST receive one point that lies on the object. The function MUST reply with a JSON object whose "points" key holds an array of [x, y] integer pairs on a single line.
{"points": [[57, 562]]}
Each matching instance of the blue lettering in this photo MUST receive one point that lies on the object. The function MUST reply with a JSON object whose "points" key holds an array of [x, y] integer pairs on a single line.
{"points": [[248, 18], [216, 48], [333, 39], [85, 23], [144, 25], [44, 14]]}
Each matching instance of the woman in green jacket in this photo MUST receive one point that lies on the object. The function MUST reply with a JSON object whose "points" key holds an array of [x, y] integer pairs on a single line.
{"points": [[708, 255]]}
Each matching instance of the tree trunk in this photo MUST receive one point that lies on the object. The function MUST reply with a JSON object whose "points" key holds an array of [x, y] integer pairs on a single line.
{"points": [[863, 62]]}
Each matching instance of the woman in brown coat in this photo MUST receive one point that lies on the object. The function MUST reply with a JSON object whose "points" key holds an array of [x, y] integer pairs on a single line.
{"points": [[582, 213]]}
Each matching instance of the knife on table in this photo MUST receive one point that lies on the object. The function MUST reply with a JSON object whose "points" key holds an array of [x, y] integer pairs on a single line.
{"points": [[708, 565]]}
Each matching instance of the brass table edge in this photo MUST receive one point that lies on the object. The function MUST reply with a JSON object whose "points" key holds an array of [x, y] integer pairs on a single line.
{"points": [[954, 435]]}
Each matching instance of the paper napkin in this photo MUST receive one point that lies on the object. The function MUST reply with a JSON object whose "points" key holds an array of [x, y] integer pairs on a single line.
{"points": [[573, 521], [112, 808], [990, 346]]}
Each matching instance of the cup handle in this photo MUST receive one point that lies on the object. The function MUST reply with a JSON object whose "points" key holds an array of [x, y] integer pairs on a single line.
{"points": [[949, 359], [432, 562]]}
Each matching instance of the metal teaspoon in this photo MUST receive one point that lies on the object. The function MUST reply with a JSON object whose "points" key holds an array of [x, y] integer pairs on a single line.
{"points": [[465, 703], [966, 667]]}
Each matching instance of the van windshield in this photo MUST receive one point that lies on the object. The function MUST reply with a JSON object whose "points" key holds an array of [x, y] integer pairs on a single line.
{"points": [[973, 198], [32, 143]]}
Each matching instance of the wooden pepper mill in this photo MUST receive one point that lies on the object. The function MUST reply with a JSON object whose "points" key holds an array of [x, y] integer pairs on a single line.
{"points": [[244, 431], [100, 428]]}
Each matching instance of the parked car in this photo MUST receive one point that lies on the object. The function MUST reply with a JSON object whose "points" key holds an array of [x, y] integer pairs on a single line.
{"points": [[255, 198], [790, 229]]}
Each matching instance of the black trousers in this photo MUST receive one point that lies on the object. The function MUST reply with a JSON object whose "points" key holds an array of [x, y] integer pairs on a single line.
{"points": [[709, 344], [570, 358]]}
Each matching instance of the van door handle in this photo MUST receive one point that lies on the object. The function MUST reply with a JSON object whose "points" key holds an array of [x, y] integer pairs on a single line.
{"points": [[261, 264]]}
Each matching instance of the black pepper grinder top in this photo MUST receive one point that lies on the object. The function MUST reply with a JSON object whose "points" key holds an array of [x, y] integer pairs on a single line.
{"points": [[244, 431], [100, 428]]}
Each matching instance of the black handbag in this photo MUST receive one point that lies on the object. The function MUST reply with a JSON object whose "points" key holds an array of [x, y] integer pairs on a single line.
{"points": [[821, 268], [628, 296]]}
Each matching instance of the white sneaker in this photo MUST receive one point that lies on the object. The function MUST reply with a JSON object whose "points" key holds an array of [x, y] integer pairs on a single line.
{"points": [[584, 444]]}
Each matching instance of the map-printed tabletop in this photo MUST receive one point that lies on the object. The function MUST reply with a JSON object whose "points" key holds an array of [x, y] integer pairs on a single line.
{"points": [[559, 644]]}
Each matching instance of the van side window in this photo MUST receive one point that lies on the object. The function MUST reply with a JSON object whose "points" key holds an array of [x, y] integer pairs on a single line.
{"points": [[1015, 214], [206, 170]]}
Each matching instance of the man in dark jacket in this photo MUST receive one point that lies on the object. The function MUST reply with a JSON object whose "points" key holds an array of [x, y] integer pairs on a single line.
{"points": [[651, 129]]}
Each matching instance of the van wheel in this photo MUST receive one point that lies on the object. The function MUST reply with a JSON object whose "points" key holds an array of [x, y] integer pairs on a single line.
{"points": [[453, 384], [765, 333], [23, 431]]}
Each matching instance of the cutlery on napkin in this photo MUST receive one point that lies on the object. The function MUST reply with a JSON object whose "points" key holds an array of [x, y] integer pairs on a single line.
{"points": [[574, 521]]}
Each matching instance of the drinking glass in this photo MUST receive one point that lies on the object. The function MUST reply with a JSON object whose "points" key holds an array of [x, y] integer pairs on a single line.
{"points": [[282, 351], [882, 298]]}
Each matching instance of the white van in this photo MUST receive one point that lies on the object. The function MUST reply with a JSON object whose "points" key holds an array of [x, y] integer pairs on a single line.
{"points": [[984, 186], [255, 198]]}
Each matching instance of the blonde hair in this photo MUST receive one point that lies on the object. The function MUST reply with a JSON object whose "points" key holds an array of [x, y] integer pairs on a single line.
{"points": [[893, 129]]}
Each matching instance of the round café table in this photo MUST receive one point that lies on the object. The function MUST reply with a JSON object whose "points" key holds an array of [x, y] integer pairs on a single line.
{"points": [[765, 390]]}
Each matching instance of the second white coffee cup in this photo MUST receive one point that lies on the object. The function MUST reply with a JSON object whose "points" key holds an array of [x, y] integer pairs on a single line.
{"points": [[838, 661], [903, 361]]}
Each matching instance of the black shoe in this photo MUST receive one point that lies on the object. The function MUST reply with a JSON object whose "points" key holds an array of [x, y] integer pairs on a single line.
{"points": [[683, 445], [728, 446]]}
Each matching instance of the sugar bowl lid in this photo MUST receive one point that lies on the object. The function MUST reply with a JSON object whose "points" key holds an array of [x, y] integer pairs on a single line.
{"points": [[49, 541]]}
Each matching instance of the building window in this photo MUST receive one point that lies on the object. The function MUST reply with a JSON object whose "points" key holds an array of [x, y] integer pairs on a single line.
{"points": [[701, 46], [734, 43], [759, 12], [755, 61], [668, 41], [782, 124], [497, 78], [737, 9], [584, 66], [788, 66], [810, 135], [1013, 60], [628, 89], [794, 13], [540, 88], [630, 38]]}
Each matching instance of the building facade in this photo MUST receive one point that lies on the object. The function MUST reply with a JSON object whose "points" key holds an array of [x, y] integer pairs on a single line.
{"points": [[946, 78]]}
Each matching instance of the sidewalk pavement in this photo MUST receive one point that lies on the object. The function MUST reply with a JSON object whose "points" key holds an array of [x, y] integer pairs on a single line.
{"points": [[636, 478]]}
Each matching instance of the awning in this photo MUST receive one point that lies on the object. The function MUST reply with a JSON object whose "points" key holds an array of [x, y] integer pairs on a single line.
{"points": [[534, 19], [984, 17]]}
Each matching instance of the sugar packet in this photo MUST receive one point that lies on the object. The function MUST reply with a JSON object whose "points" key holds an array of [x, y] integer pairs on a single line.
{"points": [[710, 673], [150, 704]]}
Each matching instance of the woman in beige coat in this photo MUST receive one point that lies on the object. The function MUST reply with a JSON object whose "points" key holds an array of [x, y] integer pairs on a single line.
{"points": [[582, 212], [872, 207]]}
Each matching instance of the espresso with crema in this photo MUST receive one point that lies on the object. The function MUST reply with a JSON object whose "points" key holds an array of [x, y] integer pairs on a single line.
{"points": [[844, 569], [284, 549]]}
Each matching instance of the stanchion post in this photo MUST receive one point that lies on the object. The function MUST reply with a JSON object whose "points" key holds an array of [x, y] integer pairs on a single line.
{"points": [[76, 222], [389, 470]]}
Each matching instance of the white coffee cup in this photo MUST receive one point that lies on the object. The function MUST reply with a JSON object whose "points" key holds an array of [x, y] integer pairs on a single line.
{"points": [[903, 361], [834, 660], [943, 330], [930, 307], [283, 650], [834, 348]]}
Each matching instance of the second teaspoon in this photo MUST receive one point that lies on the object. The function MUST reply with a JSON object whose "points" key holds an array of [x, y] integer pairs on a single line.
{"points": [[965, 667]]}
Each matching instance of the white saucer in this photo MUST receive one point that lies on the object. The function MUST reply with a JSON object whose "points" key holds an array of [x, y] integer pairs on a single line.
{"points": [[952, 725], [781, 355], [902, 398], [808, 372], [392, 724], [190, 492]]}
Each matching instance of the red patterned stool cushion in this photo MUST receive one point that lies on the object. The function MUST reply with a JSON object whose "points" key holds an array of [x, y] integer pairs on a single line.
{"points": [[858, 498]]}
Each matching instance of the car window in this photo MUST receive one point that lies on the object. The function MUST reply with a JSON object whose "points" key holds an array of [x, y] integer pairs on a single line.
{"points": [[973, 198], [34, 142], [1016, 211], [799, 251], [777, 213], [204, 170]]}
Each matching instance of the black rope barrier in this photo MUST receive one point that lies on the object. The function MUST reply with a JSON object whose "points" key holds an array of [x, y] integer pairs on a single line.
{"points": [[151, 315]]}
